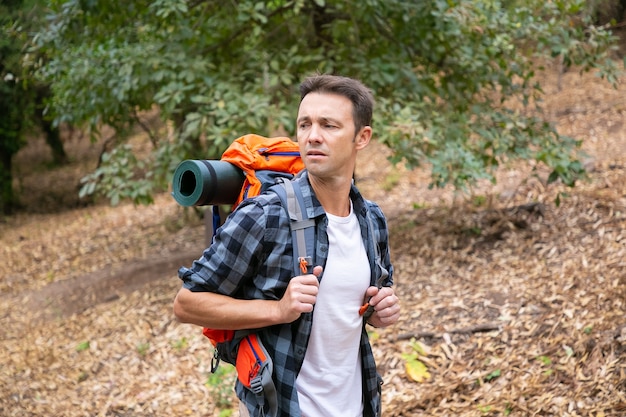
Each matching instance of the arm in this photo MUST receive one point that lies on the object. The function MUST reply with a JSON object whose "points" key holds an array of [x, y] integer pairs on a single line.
{"points": [[217, 311], [212, 294]]}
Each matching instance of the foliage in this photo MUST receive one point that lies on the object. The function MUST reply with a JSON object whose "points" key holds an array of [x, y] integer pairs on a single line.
{"points": [[220, 384], [455, 80], [11, 101], [117, 178], [82, 346], [416, 370], [20, 94]]}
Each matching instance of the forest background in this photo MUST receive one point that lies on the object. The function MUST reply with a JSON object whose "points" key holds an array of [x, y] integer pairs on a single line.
{"points": [[511, 279]]}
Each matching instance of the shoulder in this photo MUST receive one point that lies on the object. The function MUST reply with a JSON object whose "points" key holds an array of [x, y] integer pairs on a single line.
{"points": [[369, 207], [304, 193], [378, 219], [265, 210], [374, 209], [261, 202]]}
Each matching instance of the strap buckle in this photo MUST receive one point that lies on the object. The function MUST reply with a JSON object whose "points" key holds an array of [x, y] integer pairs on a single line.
{"points": [[305, 264]]}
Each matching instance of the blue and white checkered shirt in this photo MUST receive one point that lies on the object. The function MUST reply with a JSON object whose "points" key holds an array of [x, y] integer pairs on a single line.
{"points": [[251, 257]]}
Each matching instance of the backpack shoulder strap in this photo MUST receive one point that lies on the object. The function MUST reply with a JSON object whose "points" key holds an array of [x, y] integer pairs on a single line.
{"points": [[381, 273], [302, 227]]}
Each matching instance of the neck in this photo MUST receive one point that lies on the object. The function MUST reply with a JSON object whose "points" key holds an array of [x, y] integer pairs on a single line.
{"points": [[334, 196]]}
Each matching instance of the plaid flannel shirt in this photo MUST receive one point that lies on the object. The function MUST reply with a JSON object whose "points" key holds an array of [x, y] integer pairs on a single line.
{"points": [[251, 257]]}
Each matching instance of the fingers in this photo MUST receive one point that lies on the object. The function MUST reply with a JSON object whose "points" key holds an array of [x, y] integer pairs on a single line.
{"points": [[370, 292], [379, 294], [300, 296], [386, 307], [304, 290], [317, 271]]}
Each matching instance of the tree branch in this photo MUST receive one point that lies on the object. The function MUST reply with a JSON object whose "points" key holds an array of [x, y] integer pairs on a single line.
{"points": [[479, 328], [146, 128]]}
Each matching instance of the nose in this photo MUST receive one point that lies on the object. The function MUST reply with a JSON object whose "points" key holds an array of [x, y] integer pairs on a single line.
{"points": [[315, 133]]}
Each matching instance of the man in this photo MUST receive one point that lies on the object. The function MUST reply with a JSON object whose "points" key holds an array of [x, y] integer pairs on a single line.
{"points": [[310, 324]]}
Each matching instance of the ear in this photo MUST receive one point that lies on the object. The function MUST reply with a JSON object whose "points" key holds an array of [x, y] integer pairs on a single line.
{"points": [[363, 137]]}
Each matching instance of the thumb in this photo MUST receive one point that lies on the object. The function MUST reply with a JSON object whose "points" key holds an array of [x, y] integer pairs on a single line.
{"points": [[317, 271], [371, 291]]}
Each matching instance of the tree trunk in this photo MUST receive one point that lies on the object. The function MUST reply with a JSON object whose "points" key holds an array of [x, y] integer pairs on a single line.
{"points": [[52, 134], [53, 139], [8, 199], [11, 108]]}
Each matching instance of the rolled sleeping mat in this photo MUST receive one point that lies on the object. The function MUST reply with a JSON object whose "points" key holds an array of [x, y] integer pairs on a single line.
{"points": [[206, 182]]}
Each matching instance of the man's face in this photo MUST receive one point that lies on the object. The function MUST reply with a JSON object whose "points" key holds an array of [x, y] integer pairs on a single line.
{"points": [[326, 136]]}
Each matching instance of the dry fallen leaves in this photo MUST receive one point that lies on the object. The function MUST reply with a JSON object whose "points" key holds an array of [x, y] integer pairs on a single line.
{"points": [[518, 305]]}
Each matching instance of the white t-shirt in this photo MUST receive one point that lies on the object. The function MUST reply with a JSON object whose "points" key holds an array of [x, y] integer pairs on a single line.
{"points": [[329, 383]]}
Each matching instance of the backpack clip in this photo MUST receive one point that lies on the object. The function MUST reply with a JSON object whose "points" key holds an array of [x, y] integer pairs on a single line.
{"points": [[215, 360], [306, 265]]}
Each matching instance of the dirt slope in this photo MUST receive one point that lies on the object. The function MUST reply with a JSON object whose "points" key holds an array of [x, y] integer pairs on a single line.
{"points": [[515, 306]]}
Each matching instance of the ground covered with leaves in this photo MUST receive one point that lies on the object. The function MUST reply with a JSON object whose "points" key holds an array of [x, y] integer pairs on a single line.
{"points": [[512, 305]]}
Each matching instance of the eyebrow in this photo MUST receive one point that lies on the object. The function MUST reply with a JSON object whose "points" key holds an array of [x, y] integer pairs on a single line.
{"points": [[322, 119]]}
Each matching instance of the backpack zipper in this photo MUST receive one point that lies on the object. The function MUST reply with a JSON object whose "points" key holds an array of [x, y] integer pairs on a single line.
{"points": [[267, 154]]}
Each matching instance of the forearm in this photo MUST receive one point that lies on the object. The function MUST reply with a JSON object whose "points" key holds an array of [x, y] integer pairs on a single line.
{"points": [[217, 311]]}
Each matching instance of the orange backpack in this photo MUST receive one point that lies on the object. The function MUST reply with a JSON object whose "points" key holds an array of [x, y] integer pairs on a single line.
{"points": [[265, 162], [253, 153], [262, 160]]}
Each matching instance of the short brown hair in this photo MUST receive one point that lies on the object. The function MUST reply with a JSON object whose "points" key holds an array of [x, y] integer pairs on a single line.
{"points": [[360, 96]]}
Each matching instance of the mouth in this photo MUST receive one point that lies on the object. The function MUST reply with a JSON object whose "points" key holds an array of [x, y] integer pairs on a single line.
{"points": [[315, 153], [315, 157]]}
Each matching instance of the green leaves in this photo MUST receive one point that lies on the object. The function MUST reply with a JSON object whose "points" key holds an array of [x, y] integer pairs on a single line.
{"points": [[416, 370], [165, 8], [82, 346], [484, 58], [455, 81], [120, 176]]}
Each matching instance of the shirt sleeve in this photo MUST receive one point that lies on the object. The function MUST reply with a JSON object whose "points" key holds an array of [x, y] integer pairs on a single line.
{"points": [[382, 233], [234, 254]]}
